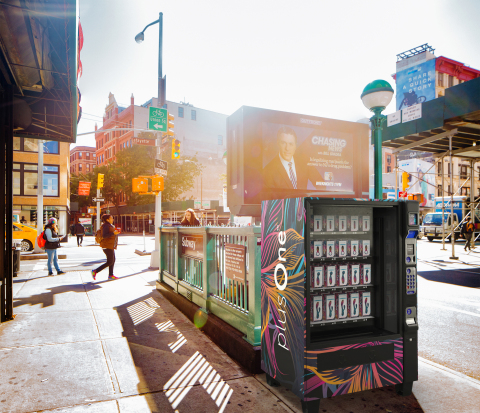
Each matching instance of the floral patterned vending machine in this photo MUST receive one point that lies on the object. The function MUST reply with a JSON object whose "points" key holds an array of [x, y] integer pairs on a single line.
{"points": [[339, 296]]}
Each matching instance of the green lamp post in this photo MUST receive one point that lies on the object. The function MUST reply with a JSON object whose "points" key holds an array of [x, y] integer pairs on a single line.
{"points": [[376, 96]]}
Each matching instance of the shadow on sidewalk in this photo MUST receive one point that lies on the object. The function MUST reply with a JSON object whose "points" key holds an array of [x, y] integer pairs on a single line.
{"points": [[464, 277]]}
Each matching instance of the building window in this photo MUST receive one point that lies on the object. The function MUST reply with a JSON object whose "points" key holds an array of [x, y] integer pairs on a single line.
{"points": [[450, 80], [79, 167], [464, 191], [389, 169], [31, 145], [463, 171], [440, 189], [180, 112], [448, 168], [439, 166], [79, 155], [448, 190], [25, 179], [194, 114], [87, 155], [389, 158], [440, 79], [220, 139], [88, 167], [164, 106]]}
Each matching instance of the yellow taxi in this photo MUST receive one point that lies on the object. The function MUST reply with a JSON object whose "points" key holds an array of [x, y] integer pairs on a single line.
{"points": [[26, 234]]}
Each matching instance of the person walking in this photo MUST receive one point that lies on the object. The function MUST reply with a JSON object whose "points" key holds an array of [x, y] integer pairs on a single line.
{"points": [[109, 244], [467, 231], [80, 232], [52, 244]]}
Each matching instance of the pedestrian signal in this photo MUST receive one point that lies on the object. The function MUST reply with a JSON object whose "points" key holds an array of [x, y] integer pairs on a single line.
{"points": [[175, 149], [157, 183], [139, 185], [101, 179]]}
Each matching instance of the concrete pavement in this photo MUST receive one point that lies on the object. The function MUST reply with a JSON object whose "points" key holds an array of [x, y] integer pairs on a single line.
{"points": [[118, 346]]}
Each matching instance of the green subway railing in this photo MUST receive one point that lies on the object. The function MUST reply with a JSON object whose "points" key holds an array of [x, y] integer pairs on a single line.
{"points": [[192, 262]]}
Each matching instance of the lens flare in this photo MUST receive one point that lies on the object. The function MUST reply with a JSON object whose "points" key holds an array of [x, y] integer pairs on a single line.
{"points": [[200, 318]]}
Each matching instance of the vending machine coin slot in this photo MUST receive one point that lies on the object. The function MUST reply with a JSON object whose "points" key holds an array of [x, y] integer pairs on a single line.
{"points": [[411, 316]]}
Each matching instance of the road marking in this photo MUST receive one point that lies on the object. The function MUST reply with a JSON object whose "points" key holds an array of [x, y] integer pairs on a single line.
{"points": [[473, 382], [454, 309]]}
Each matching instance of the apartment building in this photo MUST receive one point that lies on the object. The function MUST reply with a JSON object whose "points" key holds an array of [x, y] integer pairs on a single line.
{"points": [[82, 160], [56, 178]]}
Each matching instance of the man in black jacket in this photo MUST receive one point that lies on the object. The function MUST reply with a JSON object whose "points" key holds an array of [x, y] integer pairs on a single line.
{"points": [[80, 232]]}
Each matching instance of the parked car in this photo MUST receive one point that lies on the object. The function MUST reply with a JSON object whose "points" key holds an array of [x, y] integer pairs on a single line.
{"points": [[26, 234]]}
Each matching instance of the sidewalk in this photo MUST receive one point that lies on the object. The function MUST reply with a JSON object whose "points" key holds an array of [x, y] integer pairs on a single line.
{"points": [[119, 346]]}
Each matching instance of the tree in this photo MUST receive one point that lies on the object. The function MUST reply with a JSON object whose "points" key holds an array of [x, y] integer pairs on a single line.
{"points": [[131, 163]]}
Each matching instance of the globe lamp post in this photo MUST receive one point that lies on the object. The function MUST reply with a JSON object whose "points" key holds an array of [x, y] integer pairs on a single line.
{"points": [[376, 96]]}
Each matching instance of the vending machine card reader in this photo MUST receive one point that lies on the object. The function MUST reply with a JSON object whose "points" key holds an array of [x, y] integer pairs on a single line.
{"points": [[339, 296]]}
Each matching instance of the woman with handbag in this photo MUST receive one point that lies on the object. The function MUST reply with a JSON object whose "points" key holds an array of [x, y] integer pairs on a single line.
{"points": [[109, 244], [52, 244]]}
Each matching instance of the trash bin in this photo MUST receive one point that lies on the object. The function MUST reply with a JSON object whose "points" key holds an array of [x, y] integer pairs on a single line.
{"points": [[16, 260]]}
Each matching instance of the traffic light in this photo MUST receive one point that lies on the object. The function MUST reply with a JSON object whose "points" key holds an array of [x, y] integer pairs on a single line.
{"points": [[175, 149], [170, 125], [404, 181], [101, 179], [157, 183], [33, 216], [139, 185]]}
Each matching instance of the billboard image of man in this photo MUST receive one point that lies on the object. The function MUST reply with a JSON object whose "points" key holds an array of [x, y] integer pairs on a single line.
{"points": [[286, 170]]}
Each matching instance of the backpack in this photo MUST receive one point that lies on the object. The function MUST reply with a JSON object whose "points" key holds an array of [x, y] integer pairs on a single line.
{"points": [[41, 241], [98, 236]]}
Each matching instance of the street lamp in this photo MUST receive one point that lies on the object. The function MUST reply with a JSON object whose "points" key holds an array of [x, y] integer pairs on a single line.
{"points": [[376, 96], [162, 81], [139, 38]]}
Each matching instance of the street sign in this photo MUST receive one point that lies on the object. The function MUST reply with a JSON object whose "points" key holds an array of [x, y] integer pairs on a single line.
{"points": [[402, 194], [98, 199], [411, 113], [158, 119], [161, 167], [145, 142]]}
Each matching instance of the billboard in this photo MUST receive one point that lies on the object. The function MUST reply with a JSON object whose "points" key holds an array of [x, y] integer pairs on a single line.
{"points": [[272, 155], [421, 179], [416, 84]]}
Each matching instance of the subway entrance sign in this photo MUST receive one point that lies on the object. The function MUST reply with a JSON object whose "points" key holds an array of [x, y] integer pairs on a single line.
{"points": [[157, 119]]}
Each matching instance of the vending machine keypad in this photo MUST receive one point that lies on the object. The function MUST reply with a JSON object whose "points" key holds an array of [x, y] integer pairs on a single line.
{"points": [[411, 281]]}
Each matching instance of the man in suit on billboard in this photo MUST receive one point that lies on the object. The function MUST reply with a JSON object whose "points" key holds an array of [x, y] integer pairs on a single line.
{"points": [[286, 170]]}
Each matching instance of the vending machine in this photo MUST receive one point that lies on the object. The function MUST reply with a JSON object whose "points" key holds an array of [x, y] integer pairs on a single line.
{"points": [[339, 296]]}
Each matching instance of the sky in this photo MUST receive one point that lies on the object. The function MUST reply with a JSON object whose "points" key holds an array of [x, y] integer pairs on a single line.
{"points": [[311, 57]]}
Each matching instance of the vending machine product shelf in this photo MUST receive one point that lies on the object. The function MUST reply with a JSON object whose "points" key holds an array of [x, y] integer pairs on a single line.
{"points": [[339, 297]]}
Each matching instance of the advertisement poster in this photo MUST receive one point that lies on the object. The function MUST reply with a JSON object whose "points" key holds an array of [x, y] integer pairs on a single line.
{"points": [[421, 179], [307, 158], [416, 84]]}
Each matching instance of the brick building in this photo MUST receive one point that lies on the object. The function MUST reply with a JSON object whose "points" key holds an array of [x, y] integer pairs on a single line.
{"points": [[82, 159]]}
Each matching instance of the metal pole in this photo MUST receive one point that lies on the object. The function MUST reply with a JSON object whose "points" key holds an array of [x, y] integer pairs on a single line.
{"points": [[472, 207], [443, 205], [155, 257], [98, 208], [452, 236], [377, 121], [160, 51], [396, 178], [39, 193]]}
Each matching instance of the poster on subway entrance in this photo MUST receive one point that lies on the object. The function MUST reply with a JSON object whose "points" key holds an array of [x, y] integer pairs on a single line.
{"points": [[307, 158]]}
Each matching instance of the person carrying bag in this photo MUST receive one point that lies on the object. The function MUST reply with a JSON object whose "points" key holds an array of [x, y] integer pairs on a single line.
{"points": [[467, 232], [52, 244], [108, 241]]}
